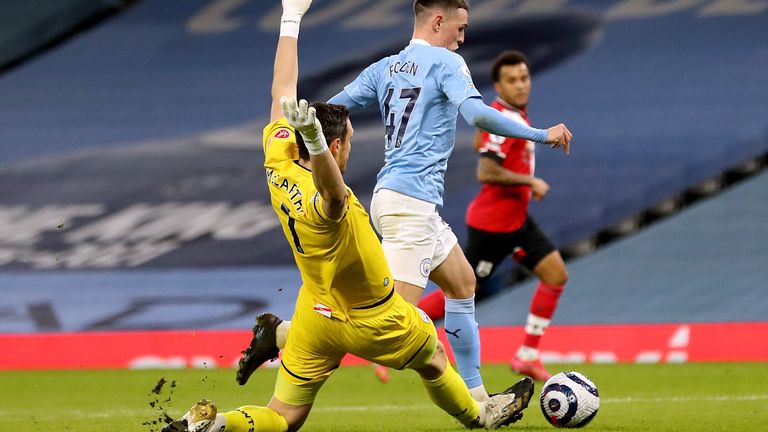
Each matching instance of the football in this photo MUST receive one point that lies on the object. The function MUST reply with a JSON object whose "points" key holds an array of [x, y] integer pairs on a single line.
{"points": [[569, 400]]}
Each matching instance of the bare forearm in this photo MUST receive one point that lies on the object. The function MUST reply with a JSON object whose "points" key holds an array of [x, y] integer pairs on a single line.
{"points": [[509, 178], [491, 172], [286, 73]]}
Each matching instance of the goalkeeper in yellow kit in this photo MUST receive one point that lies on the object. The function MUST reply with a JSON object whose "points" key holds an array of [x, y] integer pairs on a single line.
{"points": [[347, 303]]}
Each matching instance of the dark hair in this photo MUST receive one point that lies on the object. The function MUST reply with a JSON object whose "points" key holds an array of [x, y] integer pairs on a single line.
{"points": [[419, 6], [333, 119], [507, 58]]}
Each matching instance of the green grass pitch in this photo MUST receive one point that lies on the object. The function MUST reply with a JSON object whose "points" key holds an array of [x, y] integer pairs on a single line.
{"points": [[670, 397]]}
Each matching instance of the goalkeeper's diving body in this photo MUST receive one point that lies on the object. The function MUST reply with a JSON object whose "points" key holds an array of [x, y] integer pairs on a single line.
{"points": [[347, 298]]}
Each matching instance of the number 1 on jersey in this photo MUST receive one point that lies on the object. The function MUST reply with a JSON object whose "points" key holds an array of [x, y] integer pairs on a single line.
{"points": [[292, 227], [412, 94]]}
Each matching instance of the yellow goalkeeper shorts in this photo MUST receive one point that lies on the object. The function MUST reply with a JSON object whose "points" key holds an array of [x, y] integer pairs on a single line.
{"points": [[395, 334]]}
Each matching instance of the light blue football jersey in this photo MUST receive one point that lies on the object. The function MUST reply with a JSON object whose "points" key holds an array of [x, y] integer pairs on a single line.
{"points": [[419, 91]]}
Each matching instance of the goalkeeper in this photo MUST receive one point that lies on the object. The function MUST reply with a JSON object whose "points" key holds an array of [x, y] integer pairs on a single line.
{"points": [[347, 303]]}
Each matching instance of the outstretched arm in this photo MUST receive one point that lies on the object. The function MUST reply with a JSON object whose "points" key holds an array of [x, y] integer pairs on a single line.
{"points": [[286, 69], [325, 172], [480, 115], [285, 75]]}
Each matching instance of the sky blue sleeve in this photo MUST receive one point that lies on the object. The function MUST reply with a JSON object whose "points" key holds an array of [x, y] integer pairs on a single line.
{"points": [[342, 98], [362, 91], [455, 79], [480, 115]]}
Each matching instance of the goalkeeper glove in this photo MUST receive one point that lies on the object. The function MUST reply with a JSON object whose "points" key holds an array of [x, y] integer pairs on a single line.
{"points": [[293, 10], [302, 118]]}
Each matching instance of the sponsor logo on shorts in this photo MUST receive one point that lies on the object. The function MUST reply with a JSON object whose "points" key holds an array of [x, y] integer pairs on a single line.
{"points": [[483, 268], [425, 267], [282, 133]]}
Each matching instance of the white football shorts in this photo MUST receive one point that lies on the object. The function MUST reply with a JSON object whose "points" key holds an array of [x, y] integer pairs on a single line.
{"points": [[414, 236]]}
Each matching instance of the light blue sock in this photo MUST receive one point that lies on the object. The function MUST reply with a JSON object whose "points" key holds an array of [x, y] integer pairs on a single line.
{"points": [[463, 334]]}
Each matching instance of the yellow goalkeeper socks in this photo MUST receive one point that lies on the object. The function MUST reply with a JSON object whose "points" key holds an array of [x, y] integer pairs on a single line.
{"points": [[450, 394], [251, 418]]}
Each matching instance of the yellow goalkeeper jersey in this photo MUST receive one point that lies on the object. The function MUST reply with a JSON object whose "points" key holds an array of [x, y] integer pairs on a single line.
{"points": [[341, 261]]}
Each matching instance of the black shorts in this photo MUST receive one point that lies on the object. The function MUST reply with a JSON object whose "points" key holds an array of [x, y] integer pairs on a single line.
{"points": [[485, 250]]}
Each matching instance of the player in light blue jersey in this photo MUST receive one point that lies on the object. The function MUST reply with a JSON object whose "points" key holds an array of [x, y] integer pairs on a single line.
{"points": [[420, 91]]}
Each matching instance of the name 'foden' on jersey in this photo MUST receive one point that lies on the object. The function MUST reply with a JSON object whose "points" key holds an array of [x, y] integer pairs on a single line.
{"points": [[407, 67]]}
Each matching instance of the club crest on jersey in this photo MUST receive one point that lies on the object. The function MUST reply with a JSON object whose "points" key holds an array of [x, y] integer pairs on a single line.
{"points": [[282, 133], [465, 71], [425, 267]]}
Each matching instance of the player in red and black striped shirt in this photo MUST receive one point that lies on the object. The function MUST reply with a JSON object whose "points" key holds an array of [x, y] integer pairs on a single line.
{"points": [[498, 222]]}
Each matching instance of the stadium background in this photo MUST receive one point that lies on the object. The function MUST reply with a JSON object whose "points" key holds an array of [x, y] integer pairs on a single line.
{"points": [[133, 210]]}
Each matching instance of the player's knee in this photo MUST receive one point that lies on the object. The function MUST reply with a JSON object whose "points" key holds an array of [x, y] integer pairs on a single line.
{"points": [[461, 292], [463, 287], [439, 352], [562, 276], [439, 359], [559, 277], [294, 415], [295, 420], [553, 272], [436, 366]]}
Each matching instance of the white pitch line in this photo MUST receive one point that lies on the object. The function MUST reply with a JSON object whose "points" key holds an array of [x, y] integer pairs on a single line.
{"points": [[631, 399], [602, 400], [144, 412]]}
